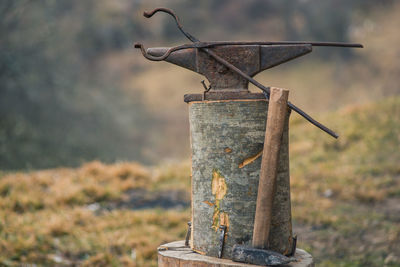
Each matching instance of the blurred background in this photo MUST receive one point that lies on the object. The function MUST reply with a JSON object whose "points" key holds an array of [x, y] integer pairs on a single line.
{"points": [[73, 89], [94, 138]]}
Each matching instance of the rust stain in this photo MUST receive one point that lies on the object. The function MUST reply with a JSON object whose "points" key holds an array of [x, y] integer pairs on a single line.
{"points": [[163, 248], [250, 160], [289, 246], [286, 252], [249, 192], [228, 150]]}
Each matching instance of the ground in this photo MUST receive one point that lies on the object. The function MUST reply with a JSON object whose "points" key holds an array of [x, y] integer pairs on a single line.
{"points": [[345, 195]]}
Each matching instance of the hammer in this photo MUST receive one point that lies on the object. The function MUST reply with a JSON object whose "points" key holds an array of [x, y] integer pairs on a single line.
{"points": [[257, 254]]}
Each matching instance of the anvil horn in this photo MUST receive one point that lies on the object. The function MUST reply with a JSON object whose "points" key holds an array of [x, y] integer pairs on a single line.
{"points": [[251, 59], [184, 58]]}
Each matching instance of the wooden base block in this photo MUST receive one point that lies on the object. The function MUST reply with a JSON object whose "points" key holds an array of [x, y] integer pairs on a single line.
{"points": [[227, 137], [175, 254]]}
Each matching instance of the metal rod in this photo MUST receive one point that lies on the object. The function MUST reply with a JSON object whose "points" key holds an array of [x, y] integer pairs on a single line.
{"points": [[332, 44], [166, 54], [169, 11], [215, 44]]}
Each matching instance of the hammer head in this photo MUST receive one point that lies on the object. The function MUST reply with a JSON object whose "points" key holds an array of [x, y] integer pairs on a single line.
{"points": [[258, 256], [251, 59]]}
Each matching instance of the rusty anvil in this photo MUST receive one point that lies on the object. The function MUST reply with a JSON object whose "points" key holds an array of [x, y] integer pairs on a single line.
{"points": [[251, 59], [230, 66]]}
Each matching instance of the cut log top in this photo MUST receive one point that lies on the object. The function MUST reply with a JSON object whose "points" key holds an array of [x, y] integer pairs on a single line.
{"points": [[176, 254]]}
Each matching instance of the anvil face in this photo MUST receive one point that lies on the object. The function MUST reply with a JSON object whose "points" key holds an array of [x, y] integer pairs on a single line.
{"points": [[251, 59]]}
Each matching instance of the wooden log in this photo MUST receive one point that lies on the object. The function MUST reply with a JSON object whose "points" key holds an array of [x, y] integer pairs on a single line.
{"points": [[176, 254], [226, 137], [277, 110]]}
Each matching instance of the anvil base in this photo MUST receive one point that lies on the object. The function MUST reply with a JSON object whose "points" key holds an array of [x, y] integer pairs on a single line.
{"points": [[223, 95], [176, 254]]}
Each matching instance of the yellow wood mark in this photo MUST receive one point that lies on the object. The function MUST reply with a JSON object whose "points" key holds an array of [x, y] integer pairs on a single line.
{"points": [[218, 185], [215, 218], [224, 219], [218, 189], [250, 160], [208, 203], [198, 251], [228, 150]]}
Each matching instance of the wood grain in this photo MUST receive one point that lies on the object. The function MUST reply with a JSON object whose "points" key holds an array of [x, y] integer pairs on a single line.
{"points": [[277, 111]]}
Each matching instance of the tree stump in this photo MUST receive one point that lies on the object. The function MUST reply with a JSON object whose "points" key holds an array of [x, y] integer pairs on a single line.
{"points": [[227, 139], [176, 254]]}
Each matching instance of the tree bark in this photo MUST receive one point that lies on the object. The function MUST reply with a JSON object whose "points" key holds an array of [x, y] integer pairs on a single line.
{"points": [[226, 137]]}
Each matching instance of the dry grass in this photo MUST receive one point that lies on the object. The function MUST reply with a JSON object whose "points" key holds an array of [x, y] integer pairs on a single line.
{"points": [[56, 217], [345, 193]]}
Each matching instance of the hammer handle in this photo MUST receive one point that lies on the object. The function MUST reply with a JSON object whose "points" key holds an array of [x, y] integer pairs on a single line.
{"points": [[277, 110]]}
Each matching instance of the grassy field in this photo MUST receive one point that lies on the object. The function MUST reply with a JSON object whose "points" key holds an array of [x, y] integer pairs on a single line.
{"points": [[345, 193]]}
